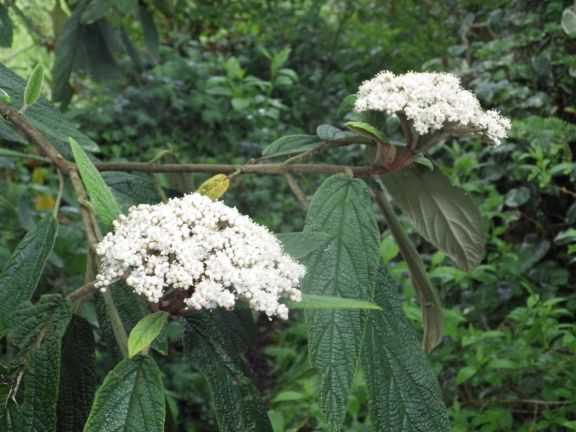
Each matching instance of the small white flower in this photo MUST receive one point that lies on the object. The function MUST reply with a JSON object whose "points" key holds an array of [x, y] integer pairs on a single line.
{"points": [[431, 102], [211, 251]]}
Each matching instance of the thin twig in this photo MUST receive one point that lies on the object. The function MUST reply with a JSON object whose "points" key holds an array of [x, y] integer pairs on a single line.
{"points": [[297, 191]]}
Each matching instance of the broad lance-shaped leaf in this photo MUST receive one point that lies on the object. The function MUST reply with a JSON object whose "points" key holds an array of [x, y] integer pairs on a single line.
{"points": [[145, 332], [234, 396], [131, 398], [38, 337], [443, 214], [6, 28], [105, 205], [22, 273], [427, 294], [345, 267], [78, 376], [404, 395], [42, 116], [291, 144]]}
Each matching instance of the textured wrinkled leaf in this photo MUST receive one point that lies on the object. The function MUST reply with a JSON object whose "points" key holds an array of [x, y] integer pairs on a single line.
{"points": [[105, 205], [131, 189], [404, 395], [22, 272], [39, 338], [145, 332], [131, 398], [569, 22], [300, 244], [33, 88], [235, 399], [311, 301], [215, 186], [291, 144], [42, 115], [344, 267], [78, 376], [6, 28], [443, 214]]}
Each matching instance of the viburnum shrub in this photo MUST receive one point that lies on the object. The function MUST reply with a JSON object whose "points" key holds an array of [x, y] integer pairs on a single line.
{"points": [[198, 264]]}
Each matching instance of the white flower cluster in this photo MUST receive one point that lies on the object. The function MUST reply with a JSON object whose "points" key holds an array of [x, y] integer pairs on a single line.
{"points": [[431, 101], [211, 251]]}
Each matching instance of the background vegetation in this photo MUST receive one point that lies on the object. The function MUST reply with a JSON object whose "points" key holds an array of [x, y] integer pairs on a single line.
{"points": [[184, 80]]}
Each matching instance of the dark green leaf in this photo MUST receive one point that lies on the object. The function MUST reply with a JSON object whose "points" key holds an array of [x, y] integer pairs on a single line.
{"points": [[131, 398], [97, 9], [311, 301], [145, 332], [22, 273], [39, 338], [300, 244], [404, 395], [427, 294], [443, 214], [236, 401], [105, 205], [291, 144], [68, 53], [6, 28], [151, 37], [33, 88], [131, 189], [42, 115], [344, 267], [78, 376]]}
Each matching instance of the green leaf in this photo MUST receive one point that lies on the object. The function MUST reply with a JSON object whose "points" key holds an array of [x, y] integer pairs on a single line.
{"points": [[366, 130], [311, 301], [330, 133], [443, 214], [42, 116], [131, 398], [235, 399], [105, 205], [22, 272], [300, 244], [96, 10], [68, 52], [404, 395], [39, 338], [145, 332], [427, 295], [6, 28], [291, 144], [151, 37], [517, 197], [569, 22], [34, 86], [78, 376], [131, 189], [343, 267]]}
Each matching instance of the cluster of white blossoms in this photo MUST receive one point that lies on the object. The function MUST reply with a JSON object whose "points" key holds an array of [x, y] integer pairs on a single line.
{"points": [[211, 251], [431, 102]]}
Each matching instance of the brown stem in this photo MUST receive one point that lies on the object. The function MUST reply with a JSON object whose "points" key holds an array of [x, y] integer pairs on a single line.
{"points": [[266, 169], [297, 191]]}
